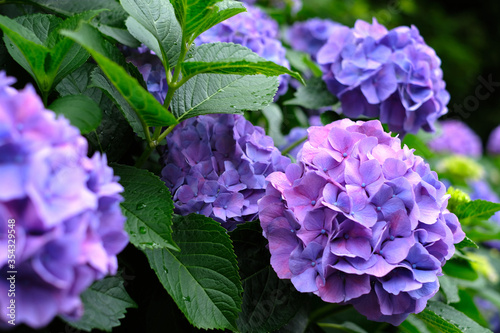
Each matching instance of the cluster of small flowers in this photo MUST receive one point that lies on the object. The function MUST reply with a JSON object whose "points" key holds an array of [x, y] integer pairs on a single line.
{"points": [[257, 31], [309, 36], [391, 75], [494, 142], [360, 220], [457, 138], [152, 70], [216, 165], [69, 225]]}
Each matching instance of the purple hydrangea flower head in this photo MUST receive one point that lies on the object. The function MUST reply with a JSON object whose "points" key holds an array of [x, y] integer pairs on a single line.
{"points": [[309, 36], [392, 75], [68, 222], [457, 138], [360, 220], [494, 142], [216, 165], [257, 31], [152, 70]]}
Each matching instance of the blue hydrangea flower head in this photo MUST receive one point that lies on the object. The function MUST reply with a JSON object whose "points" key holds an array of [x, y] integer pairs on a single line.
{"points": [[68, 221], [257, 31], [309, 36], [456, 137], [494, 142], [216, 165], [392, 75], [360, 220]]}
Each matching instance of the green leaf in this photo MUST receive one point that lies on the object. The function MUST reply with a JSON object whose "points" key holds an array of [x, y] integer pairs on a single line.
{"points": [[460, 268], [314, 95], [201, 15], [138, 31], [449, 320], [475, 210], [413, 325], [468, 307], [467, 242], [216, 93], [229, 58], [148, 207], [81, 111], [274, 118], [105, 304], [268, 302], [421, 148], [148, 109], [449, 288], [203, 278], [302, 62], [328, 117], [157, 17]]}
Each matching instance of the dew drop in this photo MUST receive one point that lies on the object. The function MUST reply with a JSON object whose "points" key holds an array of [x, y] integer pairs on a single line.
{"points": [[142, 230], [140, 205], [186, 298], [165, 270]]}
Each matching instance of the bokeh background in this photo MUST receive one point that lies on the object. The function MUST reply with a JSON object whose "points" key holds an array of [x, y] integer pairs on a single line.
{"points": [[465, 35]]}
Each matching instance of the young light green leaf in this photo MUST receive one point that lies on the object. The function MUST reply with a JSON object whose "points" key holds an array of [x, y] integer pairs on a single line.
{"points": [[201, 15], [314, 95], [203, 277], [421, 148], [449, 320], [302, 62], [229, 58], [157, 17], [216, 93], [81, 111], [148, 207], [105, 302], [476, 210], [449, 288], [467, 242], [148, 109]]}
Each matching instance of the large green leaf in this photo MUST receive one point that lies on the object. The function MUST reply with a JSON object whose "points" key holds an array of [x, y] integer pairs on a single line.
{"points": [[157, 17], [148, 109], [81, 111], [449, 320], [203, 278], [229, 58], [413, 325], [476, 210], [449, 288], [105, 302], [314, 95], [201, 15], [148, 207], [217, 93], [268, 302], [460, 268]]}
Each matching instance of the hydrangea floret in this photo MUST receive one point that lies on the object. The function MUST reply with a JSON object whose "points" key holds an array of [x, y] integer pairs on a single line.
{"points": [[66, 207], [257, 31], [360, 220], [457, 138], [216, 165], [391, 75]]}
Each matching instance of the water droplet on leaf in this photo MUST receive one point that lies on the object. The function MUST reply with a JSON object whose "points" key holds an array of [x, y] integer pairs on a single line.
{"points": [[142, 230], [140, 205]]}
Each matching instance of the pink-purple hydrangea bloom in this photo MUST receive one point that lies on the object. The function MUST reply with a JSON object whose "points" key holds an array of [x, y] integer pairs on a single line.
{"points": [[494, 142], [68, 222], [216, 165], [360, 220], [309, 36], [457, 138], [391, 75], [257, 31]]}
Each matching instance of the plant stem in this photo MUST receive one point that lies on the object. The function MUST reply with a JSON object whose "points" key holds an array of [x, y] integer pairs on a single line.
{"points": [[293, 145], [165, 133], [144, 157]]}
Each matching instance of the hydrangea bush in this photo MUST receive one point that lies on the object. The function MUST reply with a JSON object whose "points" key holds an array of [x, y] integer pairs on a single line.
{"points": [[248, 204]]}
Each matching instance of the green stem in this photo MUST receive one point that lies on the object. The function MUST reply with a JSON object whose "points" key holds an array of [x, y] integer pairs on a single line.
{"points": [[293, 145], [325, 311], [336, 326], [144, 157], [165, 133]]}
